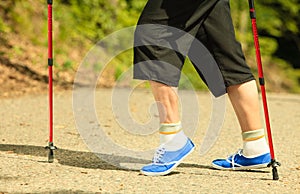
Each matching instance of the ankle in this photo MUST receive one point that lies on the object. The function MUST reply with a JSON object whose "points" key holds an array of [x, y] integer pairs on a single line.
{"points": [[172, 136], [168, 131], [255, 143]]}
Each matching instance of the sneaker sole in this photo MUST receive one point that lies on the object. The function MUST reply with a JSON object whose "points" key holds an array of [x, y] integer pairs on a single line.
{"points": [[258, 166], [169, 170]]}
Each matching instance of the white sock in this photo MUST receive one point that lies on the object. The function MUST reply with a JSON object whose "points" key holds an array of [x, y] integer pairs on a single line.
{"points": [[255, 143], [172, 136]]}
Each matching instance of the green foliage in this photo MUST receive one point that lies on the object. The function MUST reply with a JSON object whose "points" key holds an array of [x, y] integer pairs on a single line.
{"points": [[91, 19], [3, 26], [79, 24], [5, 8], [94, 19]]}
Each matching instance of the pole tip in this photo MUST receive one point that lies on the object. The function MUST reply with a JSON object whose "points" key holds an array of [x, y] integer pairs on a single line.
{"points": [[50, 156], [51, 149], [275, 174]]}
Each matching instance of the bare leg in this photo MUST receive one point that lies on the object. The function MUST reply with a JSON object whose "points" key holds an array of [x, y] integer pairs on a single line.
{"points": [[174, 144], [167, 100], [171, 133], [244, 99]]}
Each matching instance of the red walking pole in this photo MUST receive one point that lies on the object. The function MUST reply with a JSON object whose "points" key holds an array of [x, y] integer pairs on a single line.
{"points": [[50, 146], [273, 162]]}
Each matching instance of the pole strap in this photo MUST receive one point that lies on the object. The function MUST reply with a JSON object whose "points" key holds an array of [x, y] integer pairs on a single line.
{"points": [[49, 2]]}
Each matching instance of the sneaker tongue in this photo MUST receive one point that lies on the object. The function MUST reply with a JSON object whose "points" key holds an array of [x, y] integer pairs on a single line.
{"points": [[158, 155], [240, 152]]}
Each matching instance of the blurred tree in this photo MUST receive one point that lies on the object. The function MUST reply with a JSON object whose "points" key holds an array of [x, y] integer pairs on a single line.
{"points": [[80, 24], [286, 32]]}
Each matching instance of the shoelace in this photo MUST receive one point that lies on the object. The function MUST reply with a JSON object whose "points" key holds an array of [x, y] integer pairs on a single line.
{"points": [[159, 154], [239, 152]]}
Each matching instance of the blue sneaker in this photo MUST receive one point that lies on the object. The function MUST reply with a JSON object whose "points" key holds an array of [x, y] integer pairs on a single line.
{"points": [[239, 162], [165, 161]]}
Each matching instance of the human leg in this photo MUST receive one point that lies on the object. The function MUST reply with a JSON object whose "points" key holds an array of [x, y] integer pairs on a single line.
{"points": [[167, 102], [244, 99], [255, 152], [174, 144], [156, 61], [219, 37]]}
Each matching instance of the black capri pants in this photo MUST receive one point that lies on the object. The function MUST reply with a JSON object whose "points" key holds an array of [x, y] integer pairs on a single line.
{"points": [[208, 21]]}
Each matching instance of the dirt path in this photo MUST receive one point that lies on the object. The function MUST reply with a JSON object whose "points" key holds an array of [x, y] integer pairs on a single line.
{"points": [[24, 167]]}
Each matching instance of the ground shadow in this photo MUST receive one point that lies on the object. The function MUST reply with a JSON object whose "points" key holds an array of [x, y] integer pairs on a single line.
{"points": [[67, 157], [90, 160], [185, 165], [82, 159], [211, 168]]}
